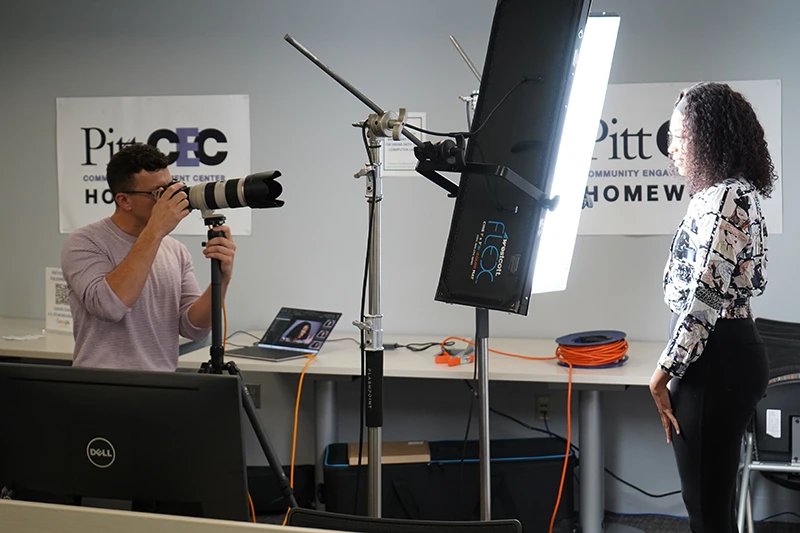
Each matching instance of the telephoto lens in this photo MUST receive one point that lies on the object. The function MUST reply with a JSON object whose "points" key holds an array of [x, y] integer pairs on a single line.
{"points": [[257, 191]]}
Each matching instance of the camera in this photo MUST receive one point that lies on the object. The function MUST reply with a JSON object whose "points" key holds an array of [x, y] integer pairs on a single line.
{"points": [[257, 191]]}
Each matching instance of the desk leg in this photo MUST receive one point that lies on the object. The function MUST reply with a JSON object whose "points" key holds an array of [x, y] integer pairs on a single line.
{"points": [[592, 466], [325, 430], [592, 505]]}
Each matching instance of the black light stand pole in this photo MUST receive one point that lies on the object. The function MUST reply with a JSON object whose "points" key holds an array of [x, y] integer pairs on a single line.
{"points": [[481, 357], [217, 350], [372, 326], [484, 437], [216, 365]]}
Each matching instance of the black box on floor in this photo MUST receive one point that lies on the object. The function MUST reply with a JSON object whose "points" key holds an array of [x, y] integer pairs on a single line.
{"points": [[525, 483]]}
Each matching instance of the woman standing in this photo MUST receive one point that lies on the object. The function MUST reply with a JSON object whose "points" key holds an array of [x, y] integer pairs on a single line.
{"points": [[715, 362]]}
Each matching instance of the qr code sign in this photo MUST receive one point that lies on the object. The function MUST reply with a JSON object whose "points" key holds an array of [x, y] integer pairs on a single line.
{"points": [[62, 294]]}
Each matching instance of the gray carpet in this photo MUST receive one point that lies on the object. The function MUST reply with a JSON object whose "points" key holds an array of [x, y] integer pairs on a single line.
{"points": [[662, 524]]}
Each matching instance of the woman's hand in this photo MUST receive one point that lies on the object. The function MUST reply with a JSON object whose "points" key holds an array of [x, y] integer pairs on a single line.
{"points": [[658, 388]]}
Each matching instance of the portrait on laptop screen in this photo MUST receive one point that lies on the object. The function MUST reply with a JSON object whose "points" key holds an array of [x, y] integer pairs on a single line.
{"points": [[301, 332], [300, 328]]}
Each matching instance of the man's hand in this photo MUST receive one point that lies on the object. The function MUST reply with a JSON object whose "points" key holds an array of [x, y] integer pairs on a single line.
{"points": [[660, 393], [168, 211], [222, 248]]}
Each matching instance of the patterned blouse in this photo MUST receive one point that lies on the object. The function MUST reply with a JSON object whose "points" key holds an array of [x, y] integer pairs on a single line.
{"points": [[717, 261]]}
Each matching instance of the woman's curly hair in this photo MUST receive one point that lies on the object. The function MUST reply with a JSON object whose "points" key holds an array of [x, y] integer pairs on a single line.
{"points": [[724, 137]]}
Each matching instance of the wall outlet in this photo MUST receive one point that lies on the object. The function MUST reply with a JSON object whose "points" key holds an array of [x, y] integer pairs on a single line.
{"points": [[543, 407], [255, 393]]}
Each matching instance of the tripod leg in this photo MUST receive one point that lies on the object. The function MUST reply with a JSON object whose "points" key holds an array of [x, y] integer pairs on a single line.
{"points": [[266, 446]]}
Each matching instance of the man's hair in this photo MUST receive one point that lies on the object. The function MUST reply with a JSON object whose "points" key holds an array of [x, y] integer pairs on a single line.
{"points": [[131, 160], [725, 138]]}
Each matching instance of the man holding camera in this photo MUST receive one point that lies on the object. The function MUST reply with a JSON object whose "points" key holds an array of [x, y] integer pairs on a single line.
{"points": [[132, 287]]}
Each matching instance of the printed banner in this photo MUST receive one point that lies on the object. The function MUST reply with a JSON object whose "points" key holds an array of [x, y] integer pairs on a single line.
{"points": [[632, 186], [206, 138]]}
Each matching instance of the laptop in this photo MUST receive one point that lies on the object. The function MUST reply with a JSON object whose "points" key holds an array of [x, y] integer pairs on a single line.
{"points": [[294, 333]]}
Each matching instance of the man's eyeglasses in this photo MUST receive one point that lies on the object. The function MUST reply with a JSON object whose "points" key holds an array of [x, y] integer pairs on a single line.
{"points": [[156, 193]]}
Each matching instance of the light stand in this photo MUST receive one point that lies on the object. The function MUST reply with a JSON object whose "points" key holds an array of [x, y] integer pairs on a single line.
{"points": [[447, 155], [378, 125], [216, 364], [375, 127]]}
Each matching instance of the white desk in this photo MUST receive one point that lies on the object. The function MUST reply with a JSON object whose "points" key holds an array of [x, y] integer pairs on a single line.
{"points": [[342, 358], [55, 347], [25, 517]]}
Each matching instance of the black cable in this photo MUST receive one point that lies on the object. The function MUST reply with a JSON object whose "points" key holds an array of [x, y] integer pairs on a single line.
{"points": [[228, 343], [574, 448], [468, 134], [416, 346], [244, 332], [466, 435], [362, 408], [791, 513], [345, 339], [631, 485]]}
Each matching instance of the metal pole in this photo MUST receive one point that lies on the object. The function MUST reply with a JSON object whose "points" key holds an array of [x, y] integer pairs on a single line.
{"points": [[744, 482], [592, 506], [482, 360], [325, 434], [374, 336], [466, 58]]}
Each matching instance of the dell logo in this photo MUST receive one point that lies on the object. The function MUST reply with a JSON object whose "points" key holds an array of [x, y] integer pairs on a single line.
{"points": [[100, 452]]}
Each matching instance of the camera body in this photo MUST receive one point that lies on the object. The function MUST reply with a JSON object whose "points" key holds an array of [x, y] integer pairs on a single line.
{"points": [[170, 184], [182, 189]]}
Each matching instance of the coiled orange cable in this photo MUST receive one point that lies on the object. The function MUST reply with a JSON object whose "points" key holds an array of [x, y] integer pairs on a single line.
{"points": [[600, 355], [584, 356]]}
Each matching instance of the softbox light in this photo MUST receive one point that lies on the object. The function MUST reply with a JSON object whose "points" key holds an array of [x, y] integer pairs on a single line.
{"points": [[541, 96]]}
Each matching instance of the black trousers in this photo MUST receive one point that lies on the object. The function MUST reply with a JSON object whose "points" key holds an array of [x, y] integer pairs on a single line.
{"points": [[713, 404]]}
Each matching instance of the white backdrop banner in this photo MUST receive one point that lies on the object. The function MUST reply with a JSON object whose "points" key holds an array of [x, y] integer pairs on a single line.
{"points": [[206, 138], [632, 185]]}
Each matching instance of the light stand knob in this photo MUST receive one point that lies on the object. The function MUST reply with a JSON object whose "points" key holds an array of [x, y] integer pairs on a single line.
{"points": [[388, 124]]}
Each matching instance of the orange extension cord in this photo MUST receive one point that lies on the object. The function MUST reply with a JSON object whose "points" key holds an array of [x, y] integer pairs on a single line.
{"points": [[589, 356], [294, 431]]}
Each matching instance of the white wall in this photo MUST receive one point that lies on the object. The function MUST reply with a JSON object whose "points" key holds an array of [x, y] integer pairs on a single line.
{"points": [[398, 53]]}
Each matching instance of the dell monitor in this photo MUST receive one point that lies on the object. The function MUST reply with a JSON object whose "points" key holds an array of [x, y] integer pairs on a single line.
{"points": [[70, 434]]}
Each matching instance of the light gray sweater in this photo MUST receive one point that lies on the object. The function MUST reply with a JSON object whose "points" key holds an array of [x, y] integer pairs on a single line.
{"points": [[109, 334]]}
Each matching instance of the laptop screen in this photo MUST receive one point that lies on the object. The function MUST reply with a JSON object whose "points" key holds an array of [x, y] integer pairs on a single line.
{"points": [[299, 329]]}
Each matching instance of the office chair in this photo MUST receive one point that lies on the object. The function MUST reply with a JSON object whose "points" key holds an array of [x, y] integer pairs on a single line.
{"points": [[771, 443], [778, 328], [299, 517]]}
